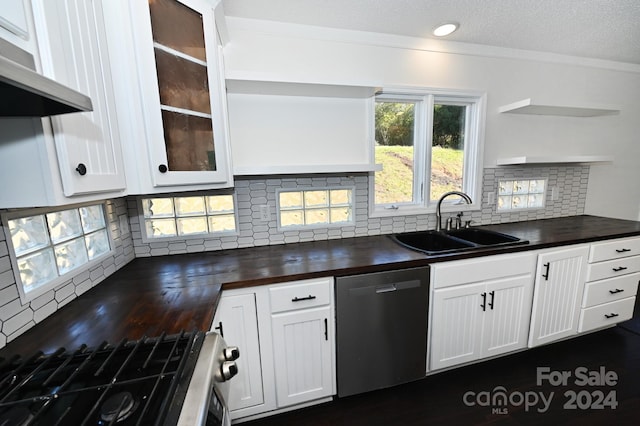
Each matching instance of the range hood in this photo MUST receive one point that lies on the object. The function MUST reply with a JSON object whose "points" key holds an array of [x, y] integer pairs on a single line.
{"points": [[25, 93]]}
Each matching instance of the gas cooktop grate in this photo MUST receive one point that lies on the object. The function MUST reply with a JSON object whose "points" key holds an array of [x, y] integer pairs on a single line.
{"points": [[139, 382]]}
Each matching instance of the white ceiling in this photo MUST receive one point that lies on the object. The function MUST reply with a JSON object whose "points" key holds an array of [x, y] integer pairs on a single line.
{"points": [[602, 29]]}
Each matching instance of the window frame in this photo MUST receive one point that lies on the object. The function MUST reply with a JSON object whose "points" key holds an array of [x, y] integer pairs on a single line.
{"points": [[319, 225], [27, 297], [149, 240], [425, 99]]}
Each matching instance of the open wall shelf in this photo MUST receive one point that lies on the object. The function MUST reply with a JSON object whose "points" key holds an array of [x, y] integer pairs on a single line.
{"points": [[529, 106]]}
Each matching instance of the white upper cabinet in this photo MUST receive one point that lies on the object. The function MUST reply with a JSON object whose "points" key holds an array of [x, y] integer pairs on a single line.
{"points": [[74, 157], [16, 26], [73, 52], [168, 72]]}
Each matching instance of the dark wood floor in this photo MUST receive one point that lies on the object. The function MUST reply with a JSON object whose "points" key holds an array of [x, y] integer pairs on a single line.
{"points": [[438, 399]]}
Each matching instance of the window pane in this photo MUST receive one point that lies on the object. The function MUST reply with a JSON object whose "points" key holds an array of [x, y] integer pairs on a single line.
{"points": [[316, 216], [161, 227], [341, 196], [37, 269], [97, 243], [64, 225], [220, 203], [447, 155], [188, 206], [70, 255], [221, 223], [92, 218], [394, 149], [192, 225], [291, 200], [291, 217], [316, 198], [342, 214], [28, 233], [157, 207]]}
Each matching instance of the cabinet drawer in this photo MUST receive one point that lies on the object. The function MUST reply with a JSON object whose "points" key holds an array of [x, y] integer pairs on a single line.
{"points": [[613, 268], [609, 290], [614, 249], [459, 272], [606, 314], [300, 295]]}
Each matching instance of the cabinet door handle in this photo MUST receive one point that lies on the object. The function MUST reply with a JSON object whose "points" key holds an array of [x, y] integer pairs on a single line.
{"points": [[81, 169], [622, 268], [219, 328], [617, 290], [300, 299], [326, 330], [493, 294], [624, 250], [546, 274], [162, 168], [611, 315], [484, 302]]}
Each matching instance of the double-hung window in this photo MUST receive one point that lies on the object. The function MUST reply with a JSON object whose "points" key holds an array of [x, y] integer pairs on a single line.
{"points": [[429, 143]]}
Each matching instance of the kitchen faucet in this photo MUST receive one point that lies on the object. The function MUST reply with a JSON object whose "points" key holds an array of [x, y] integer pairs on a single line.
{"points": [[464, 196]]}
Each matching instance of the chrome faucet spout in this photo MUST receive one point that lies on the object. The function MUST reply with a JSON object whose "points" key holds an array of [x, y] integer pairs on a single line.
{"points": [[464, 196]]}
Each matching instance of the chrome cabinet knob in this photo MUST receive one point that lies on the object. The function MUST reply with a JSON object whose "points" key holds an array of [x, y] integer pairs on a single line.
{"points": [[231, 353], [228, 369]]}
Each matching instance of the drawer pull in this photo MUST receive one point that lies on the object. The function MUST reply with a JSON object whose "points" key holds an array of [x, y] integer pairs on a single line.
{"points": [[622, 250], [611, 316], [300, 299], [616, 291], [622, 268]]}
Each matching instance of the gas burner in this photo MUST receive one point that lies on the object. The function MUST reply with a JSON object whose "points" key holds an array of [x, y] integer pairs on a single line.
{"points": [[118, 406], [16, 416]]}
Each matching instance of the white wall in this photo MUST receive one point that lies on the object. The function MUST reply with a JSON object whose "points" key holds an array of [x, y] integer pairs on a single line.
{"points": [[270, 51]]}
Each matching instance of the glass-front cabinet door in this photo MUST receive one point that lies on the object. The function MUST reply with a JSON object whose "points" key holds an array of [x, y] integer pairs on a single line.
{"points": [[183, 86]]}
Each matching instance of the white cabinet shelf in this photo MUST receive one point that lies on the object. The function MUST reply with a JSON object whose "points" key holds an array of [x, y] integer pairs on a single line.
{"points": [[290, 88], [553, 159], [529, 106]]}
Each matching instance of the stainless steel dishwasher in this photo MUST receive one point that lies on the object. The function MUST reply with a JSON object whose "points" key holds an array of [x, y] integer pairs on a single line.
{"points": [[381, 329]]}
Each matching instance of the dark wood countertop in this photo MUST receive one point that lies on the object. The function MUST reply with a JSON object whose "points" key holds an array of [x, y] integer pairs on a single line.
{"points": [[170, 293]]}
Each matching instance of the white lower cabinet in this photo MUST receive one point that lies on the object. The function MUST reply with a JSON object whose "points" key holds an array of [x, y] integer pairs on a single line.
{"points": [[236, 321], [559, 285], [302, 355], [480, 308], [286, 336], [612, 279]]}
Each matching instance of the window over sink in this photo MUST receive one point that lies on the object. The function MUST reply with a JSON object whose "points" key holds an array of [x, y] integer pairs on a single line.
{"points": [[429, 142], [46, 245]]}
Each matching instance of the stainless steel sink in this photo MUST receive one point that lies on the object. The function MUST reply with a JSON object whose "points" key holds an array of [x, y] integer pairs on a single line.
{"points": [[459, 240]]}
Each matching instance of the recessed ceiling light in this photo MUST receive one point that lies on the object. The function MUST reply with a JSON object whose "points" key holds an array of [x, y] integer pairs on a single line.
{"points": [[445, 29]]}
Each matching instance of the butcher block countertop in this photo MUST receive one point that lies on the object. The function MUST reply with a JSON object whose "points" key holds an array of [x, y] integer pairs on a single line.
{"points": [[166, 294]]}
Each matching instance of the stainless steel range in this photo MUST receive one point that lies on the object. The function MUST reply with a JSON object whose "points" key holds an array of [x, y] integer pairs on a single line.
{"points": [[167, 380]]}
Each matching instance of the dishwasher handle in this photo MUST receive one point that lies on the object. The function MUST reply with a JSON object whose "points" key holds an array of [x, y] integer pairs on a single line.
{"points": [[386, 289]]}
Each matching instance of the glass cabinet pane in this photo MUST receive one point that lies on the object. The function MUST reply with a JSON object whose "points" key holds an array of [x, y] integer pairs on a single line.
{"points": [[189, 142], [182, 83], [178, 27]]}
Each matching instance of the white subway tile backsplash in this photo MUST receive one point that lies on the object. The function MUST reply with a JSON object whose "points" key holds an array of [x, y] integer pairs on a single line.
{"points": [[44, 311], [17, 321]]}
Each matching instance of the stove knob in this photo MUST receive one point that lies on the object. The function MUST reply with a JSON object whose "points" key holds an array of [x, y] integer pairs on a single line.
{"points": [[228, 370], [231, 353]]}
